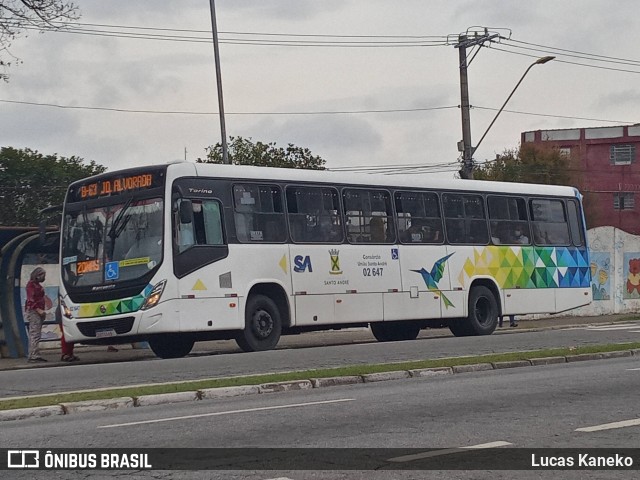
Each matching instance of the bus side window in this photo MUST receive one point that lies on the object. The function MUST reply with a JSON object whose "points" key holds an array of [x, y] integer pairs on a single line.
{"points": [[313, 214], [259, 213], [465, 219], [549, 220], [369, 216], [205, 227]]}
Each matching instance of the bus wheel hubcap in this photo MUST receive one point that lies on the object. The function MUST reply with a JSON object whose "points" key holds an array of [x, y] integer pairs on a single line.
{"points": [[262, 323]]}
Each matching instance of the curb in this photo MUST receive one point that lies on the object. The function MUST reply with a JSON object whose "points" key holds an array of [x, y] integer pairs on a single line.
{"points": [[294, 385]]}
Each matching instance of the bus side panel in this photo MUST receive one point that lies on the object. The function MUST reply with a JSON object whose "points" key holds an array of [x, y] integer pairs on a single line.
{"points": [[342, 283], [522, 301], [421, 283], [314, 309], [353, 308], [568, 298], [404, 306], [210, 296], [454, 301]]}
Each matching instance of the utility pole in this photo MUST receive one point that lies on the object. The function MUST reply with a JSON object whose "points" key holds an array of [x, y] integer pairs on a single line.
{"points": [[216, 54], [465, 146], [467, 156]]}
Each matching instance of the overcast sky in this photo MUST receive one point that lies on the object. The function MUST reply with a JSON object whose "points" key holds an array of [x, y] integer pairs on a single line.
{"points": [[593, 81]]}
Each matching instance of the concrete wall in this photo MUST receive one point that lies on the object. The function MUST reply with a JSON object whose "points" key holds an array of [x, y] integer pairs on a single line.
{"points": [[615, 272]]}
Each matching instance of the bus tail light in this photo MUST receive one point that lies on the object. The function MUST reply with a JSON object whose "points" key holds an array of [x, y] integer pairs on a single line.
{"points": [[154, 297]]}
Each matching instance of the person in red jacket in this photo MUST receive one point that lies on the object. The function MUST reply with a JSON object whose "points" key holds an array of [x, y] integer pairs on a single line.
{"points": [[34, 307], [65, 347]]}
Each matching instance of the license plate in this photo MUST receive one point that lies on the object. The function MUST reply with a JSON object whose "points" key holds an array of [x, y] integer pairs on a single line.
{"points": [[105, 332]]}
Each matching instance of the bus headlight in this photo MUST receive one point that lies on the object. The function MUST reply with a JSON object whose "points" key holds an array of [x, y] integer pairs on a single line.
{"points": [[154, 297]]}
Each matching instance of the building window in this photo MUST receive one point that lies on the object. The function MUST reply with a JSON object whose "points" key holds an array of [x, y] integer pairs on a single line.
{"points": [[622, 154], [624, 201]]}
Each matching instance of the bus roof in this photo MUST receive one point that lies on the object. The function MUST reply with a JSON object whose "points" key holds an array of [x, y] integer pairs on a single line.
{"points": [[408, 181], [403, 181]]}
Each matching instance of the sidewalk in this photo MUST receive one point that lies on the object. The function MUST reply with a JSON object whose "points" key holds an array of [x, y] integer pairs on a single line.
{"points": [[125, 352]]}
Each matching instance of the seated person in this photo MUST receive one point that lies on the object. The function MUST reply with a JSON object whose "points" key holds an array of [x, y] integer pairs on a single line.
{"points": [[519, 237], [378, 230], [431, 235]]}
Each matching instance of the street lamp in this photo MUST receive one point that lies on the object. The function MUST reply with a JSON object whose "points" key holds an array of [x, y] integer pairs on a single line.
{"points": [[539, 61]]}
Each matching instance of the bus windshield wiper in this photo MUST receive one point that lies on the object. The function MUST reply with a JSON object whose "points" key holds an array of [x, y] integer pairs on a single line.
{"points": [[120, 221]]}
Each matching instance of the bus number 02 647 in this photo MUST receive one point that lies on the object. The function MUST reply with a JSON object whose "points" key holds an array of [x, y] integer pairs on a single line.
{"points": [[372, 272]]}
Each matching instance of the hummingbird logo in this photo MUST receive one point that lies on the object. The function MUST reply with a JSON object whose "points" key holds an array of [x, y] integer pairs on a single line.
{"points": [[434, 276]]}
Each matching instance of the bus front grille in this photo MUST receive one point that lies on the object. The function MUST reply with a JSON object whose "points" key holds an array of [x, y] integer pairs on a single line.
{"points": [[119, 325]]}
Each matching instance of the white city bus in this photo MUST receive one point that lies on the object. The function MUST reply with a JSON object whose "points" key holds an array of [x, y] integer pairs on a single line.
{"points": [[185, 252]]}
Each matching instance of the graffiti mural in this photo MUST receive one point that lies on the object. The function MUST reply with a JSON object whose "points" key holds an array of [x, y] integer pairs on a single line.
{"points": [[601, 275], [631, 272]]}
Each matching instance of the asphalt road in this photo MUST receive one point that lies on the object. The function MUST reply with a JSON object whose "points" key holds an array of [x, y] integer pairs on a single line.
{"points": [[555, 406], [71, 377]]}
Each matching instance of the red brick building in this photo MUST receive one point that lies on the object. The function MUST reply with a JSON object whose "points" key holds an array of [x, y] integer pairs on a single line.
{"points": [[610, 161]]}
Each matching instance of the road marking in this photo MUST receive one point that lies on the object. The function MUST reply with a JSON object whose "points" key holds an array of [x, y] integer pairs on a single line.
{"points": [[229, 412], [610, 426], [446, 451], [632, 369], [608, 328]]}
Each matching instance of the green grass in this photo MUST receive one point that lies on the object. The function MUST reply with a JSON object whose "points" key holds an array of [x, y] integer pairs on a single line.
{"points": [[137, 391]]}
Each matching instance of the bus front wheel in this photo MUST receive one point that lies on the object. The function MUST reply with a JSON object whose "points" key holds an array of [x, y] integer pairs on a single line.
{"points": [[263, 325], [171, 346]]}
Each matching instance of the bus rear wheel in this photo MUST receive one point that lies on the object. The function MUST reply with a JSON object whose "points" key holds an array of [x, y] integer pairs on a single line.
{"points": [[171, 346], [395, 331], [263, 325], [460, 327], [483, 311]]}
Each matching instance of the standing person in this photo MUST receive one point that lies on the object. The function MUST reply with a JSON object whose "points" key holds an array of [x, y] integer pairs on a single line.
{"points": [[34, 307], [65, 347], [512, 321]]}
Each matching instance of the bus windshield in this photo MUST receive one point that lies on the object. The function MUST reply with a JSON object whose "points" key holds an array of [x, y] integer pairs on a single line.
{"points": [[111, 243]]}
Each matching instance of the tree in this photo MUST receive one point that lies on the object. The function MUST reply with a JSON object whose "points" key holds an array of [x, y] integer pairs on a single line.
{"points": [[243, 151], [31, 181], [532, 164], [547, 165], [16, 16]]}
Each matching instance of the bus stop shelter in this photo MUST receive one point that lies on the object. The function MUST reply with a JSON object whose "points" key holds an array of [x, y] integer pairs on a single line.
{"points": [[21, 250]]}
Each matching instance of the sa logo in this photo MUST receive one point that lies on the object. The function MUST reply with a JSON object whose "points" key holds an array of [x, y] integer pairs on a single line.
{"points": [[302, 264]]}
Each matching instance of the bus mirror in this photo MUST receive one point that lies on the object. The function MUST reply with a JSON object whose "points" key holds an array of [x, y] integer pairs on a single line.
{"points": [[186, 211]]}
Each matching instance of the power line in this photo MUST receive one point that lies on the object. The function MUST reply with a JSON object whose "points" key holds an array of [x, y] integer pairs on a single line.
{"points": [[183, 112], [73, 24], [325, 112], [320, 40], [558, 116], [594, 58], [568, 62], [574, 51]]}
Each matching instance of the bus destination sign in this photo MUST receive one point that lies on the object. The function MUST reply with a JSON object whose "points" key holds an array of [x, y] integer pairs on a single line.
{"points": [[115, 186]]}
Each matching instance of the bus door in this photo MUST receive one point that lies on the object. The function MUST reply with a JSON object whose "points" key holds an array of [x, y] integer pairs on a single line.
{"points": [[201, 266]]}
